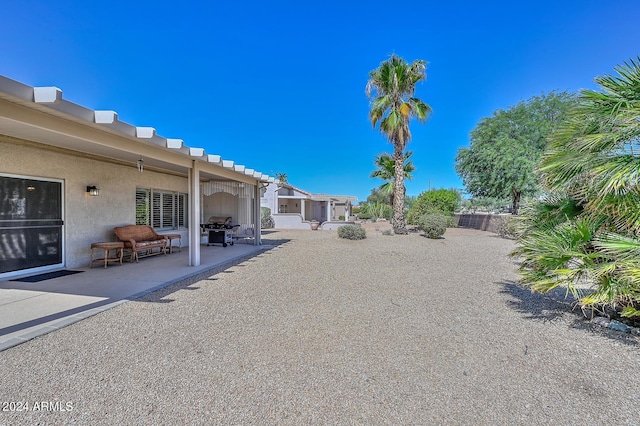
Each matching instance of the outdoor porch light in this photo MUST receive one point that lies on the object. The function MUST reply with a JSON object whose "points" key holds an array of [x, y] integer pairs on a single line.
{"points": [[140, 165], [93, 190]]}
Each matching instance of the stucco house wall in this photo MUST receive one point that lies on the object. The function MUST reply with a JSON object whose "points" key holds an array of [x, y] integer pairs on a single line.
{"points": [[290, 221], [87, 219], [315, 206]]}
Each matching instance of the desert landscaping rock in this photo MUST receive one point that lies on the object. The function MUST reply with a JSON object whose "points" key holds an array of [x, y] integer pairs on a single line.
{"points": [[322, 330]]}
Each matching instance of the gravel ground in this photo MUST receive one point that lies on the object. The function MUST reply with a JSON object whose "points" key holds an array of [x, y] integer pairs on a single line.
{"points": [[320, 330]]}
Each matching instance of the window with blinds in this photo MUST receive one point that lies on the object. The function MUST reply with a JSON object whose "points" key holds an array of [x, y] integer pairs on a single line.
{"points": [[142, 206], [161, 209]]}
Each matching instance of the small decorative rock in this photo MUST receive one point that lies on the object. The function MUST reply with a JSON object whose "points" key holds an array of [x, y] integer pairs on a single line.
{"points": [[615, 325], [619, 326], [602, 321]]}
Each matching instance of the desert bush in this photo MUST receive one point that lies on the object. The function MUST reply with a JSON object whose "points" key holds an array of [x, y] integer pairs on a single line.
{"points": [[511, 227], [266, 220], [414, 216], [378, 210], [352, 232], [434, 225]]}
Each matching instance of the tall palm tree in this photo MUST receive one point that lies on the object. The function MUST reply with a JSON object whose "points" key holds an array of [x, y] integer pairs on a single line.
{"points": [[588, 228], [391, 87], [385, 170]]}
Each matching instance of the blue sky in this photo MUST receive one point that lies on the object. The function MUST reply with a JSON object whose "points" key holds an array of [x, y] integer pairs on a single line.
{"points": [[279, 86]]}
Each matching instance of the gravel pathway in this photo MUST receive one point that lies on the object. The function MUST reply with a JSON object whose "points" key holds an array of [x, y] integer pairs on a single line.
{"points": [[319, 330]]}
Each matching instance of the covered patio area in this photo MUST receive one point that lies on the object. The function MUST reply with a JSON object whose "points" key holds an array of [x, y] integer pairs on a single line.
{"points": [[95, 172]]}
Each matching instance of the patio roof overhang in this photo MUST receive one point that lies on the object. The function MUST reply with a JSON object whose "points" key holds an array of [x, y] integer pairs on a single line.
{"points": [[41, 115]]}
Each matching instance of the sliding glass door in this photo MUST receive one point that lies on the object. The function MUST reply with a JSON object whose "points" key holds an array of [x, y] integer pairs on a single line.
{"points": [[31, 225]]}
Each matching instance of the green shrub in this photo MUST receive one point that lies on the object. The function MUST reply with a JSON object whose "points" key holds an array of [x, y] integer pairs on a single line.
{"points": [[434, 225], [352, 232], [266, 220], [364, 216], [444, 201], [413, 217]]}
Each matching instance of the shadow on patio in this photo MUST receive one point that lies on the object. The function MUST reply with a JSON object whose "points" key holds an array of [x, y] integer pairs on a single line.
{"points": [[28, 310]]}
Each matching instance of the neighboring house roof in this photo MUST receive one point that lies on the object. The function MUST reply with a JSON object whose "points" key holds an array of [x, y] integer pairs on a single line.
{"points": [[336, 198], [312, 196], [285, 185], [35, 116]]}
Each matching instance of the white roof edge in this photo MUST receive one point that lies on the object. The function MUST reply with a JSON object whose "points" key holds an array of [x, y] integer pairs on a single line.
{"points": [[215, 159], [105, 117], [52, 97], [47, 95], [145, 132], [196, 152], [17, 89], [174, 143]]}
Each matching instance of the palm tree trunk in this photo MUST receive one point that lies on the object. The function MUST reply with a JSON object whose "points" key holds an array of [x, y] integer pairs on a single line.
{"points": [[399, 224]]}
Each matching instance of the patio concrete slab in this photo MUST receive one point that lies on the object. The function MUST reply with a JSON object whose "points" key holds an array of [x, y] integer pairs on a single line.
{"points": [[28, 310]]}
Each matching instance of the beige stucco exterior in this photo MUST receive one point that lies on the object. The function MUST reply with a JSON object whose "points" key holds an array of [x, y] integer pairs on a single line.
{"points": [[44, 137], [87, 219]]}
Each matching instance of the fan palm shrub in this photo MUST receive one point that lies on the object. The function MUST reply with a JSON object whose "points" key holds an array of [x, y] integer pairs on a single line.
{"points": [[584, 234]]}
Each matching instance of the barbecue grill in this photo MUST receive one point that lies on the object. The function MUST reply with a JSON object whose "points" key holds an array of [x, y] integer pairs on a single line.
{"points": [[219, 230]]}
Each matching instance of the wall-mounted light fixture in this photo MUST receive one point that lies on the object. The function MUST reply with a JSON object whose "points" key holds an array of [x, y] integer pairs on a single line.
{"points": [[93, 190], [140, 165], [31, 188]]}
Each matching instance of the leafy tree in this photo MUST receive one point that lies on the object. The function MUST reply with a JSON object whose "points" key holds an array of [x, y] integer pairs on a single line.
{"points": [[506, 147], [392, 86], [409, 200], [377, 196], [444, 201], [587, 228], [385, 170]]}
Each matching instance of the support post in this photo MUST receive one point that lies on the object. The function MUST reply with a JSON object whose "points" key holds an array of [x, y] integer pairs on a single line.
{"points": [[256, 215], [194, 214]]}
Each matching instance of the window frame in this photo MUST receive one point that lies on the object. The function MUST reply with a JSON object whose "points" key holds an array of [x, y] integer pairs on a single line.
{"points": [[162, 209]]}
